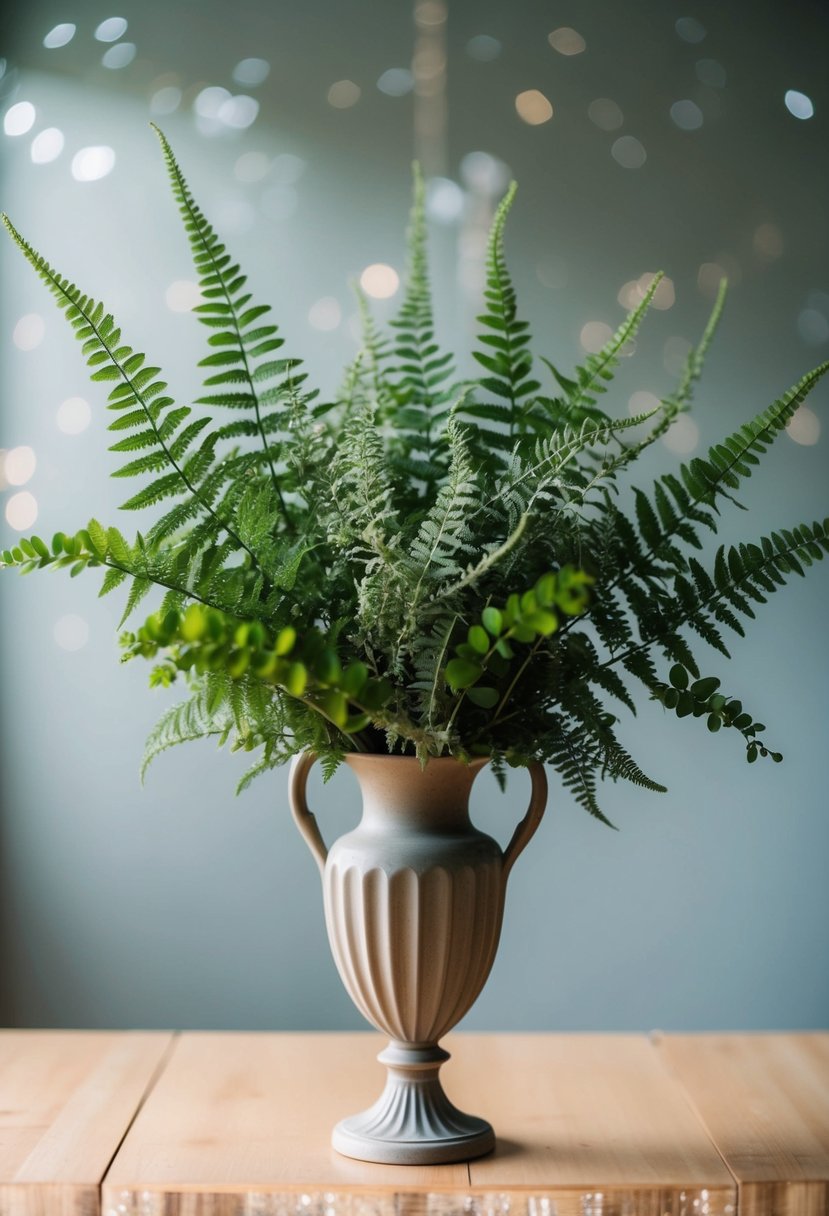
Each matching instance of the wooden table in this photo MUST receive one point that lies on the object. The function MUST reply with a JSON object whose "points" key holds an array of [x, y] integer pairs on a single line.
{"points": [[204, 1124]]}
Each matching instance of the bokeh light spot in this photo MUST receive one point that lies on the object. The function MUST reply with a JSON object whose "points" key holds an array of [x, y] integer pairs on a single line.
{"points": [[689, 29], [485, 173], [710, 72], [799, 104], [183, 296], [21, 511], [111, 30], [594, 335], [533, 107], [59, 35], [239, 112], [19, 118], [380, 281], [91, 164], [444, 200], [325, 314], [813, 327], [251, 167], [686, 115], [73, 416], [605, 114], [71, 632], [210, 100], [47, 146], [19, 466], [628, 152], [165, 100], [804, 426], [119, 56], [483, 47], [682, 436], [396, 82], [709, 277], [343, 94], [287, 169], [29, 331], [567, 41], [642, 402], [251, 71]]}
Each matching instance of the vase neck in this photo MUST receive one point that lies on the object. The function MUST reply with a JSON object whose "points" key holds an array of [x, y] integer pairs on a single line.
{"points": [[397, 791]]}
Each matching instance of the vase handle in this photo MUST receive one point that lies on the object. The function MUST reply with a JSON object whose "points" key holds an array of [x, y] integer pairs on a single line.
{"points": [[303, 817], [526, 829]]}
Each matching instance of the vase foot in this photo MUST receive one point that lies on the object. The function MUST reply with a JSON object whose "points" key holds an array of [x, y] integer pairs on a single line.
{"points": [[413, 1122]]}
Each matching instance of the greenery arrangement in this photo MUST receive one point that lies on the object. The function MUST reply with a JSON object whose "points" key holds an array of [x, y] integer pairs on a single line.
{"points": [[421, 565]]}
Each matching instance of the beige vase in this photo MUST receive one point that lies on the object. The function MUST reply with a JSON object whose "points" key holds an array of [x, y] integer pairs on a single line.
{"points": [[414, 899]]}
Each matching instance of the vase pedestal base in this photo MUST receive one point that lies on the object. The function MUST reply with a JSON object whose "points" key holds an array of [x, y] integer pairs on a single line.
{"points": [[413, 1122]]}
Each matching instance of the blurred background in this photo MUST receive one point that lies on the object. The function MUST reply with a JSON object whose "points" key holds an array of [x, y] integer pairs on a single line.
{"points": [[644, 136]]}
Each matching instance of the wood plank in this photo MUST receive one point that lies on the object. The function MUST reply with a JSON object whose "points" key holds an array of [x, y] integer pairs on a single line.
{"points": [[593, 1123], [66, 1101], [241, 1114], [764, 1099]]}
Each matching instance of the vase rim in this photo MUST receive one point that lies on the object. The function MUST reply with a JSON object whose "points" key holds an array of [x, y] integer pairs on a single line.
{"points": [[363, 757]]}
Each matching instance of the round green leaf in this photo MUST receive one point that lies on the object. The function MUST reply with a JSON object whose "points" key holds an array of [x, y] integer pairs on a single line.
{"points": [[493, 620], [462, 673], [678, 676], [487, 698], [478, 639]]}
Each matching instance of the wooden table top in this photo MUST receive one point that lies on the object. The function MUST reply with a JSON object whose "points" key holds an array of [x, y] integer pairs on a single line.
{"points": [[210, 1124]]}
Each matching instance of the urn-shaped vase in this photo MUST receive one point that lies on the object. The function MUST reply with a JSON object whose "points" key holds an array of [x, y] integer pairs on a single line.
{"points": [[414, 900]]}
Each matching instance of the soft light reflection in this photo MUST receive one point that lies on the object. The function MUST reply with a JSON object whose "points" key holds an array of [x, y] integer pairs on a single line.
{"points": [[642, 402], [19, 466], [430, 12], [182, 296], [628, 152], [91, 164], [119, 56], [687, 115], [533, 107], [19, 118], [633, 293], [251, 71], [689, 29], [21, 511], [483, 47], [343, 94], [768, 241], [47, 146], [709, 277], [379, 281], [396, 82], [593, 336], [710, 72], [73, 416], [209, 101], [485, 173], [799, 104], [239, 112], [444, 200], [605, 114], [552, 273], [59, 36], [111, 30], [251, 167], [804, 426], [287, 169], [28, 332], [682, 436], [567, 41], [325, 314], [813, 327], [674, 355], [166, 100], [71, 632]]}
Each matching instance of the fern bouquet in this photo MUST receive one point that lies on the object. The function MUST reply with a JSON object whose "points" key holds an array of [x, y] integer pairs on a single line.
{"points": [[424, 564]]}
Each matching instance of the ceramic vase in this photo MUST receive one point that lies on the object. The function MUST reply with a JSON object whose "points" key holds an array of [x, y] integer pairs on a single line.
{"points": [[414, 900]]}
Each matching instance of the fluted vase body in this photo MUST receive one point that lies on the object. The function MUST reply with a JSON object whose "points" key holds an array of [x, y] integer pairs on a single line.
{"points": [[414, 900]]}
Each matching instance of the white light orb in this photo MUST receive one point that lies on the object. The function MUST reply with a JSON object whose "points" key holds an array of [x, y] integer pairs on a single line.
{"points": [[251, 71], [343, 94], [73, 416], [29, 331], [325, 314], [19, 466], [682, 436], [799, 104], [380, 281], [686, 115], [47, 146], [804, 426], [111, 30], [533, 107], [71, 632], [210, 100], [396, 82], [444, 200], [485, 173], [629, 152], [91, 164], [483, 47], [182, 296], [59, 35], [567, 41], [19, 118], [119, 56], [238, 112], [594, 335], [642, 402], [21, 511]]}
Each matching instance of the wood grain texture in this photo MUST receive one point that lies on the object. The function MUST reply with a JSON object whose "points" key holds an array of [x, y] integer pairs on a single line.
{"points": [[765, 1102], [66, 1101], [593, 1126]]}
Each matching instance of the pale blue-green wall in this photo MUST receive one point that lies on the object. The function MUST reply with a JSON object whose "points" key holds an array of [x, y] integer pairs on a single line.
{"points": [[176, 905]]}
